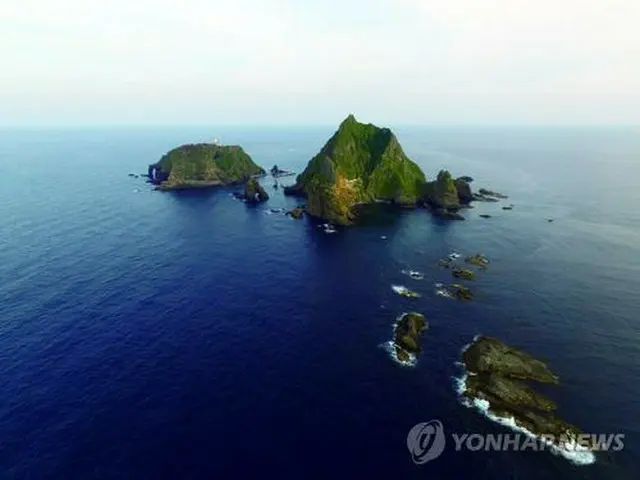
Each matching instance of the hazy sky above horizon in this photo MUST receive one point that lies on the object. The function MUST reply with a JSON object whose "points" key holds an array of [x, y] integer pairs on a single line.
{"points": [[74, 62]]}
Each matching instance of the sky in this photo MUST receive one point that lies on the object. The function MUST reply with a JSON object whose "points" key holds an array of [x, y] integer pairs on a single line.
{"points": [[306, 62]]}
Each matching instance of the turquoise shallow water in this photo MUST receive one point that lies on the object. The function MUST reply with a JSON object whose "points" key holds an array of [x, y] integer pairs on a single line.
{"points": [[151, 335]]}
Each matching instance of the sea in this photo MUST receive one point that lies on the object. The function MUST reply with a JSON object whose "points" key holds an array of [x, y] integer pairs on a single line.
{"points": [[149, 335]]}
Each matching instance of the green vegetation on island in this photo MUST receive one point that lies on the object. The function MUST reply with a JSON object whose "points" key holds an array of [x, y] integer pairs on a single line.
{"points": [[359, 166], [203, 165], [361, 163], [442, 192]]}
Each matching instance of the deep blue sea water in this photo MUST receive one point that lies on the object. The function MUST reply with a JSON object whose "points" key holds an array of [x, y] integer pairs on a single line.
{"points": [[185, 335]]}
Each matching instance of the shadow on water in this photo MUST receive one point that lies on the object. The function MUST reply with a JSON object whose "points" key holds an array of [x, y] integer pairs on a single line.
{"points": [[389, 215], [199, 193], [380, 214]]}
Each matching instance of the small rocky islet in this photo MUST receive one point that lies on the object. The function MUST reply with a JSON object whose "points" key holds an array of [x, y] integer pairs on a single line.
{"points": [[460, 291], [406, 343], [405, 292], [499, 377], [463, 273], [254, 193]]}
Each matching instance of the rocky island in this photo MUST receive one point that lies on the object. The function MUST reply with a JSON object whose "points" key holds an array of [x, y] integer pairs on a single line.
{"points": [[498, 375], [406, 336], [361, 163], [203, 165], [445, 196], [254, 193], [365, 164]]}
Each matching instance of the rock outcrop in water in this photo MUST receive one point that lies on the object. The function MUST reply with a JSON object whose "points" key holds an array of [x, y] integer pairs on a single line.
{"points": [[477, 260], [460, 291], [278, 172], [490, 193], [498, 374], [406, 337], [203, 165], [463, 187], [464, 273], [446, 196], [254, 193], [297, 212], [442, 192], [361, 163], [405, 292]]}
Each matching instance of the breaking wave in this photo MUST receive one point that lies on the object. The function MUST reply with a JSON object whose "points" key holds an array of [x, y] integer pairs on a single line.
{"points": [[574, 453]]}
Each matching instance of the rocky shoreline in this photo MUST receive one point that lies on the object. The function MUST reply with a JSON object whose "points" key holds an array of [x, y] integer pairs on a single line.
{"points": [[406, 337], [498, 380]]}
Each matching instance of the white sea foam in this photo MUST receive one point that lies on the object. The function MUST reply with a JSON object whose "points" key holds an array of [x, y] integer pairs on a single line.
{"points": [[574, 453], [416, 275], [399, 289], [443, 292], [390, 348]]}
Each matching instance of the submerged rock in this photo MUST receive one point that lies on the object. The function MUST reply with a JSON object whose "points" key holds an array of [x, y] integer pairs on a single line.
{"points": [[497, 374], [491, 193], [464, 273], [406, 336], [477, 197], [254, 192], [416, 275], [405, 292], [296, 213], [478, 260], [448, 214], [460, 291], [445, 262]]}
